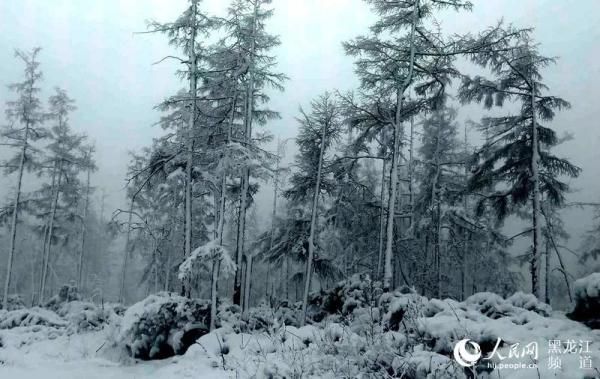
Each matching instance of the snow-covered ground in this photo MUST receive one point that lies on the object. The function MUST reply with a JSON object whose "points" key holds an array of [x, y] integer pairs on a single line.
{"points": [[401, 334], [29, 354]]}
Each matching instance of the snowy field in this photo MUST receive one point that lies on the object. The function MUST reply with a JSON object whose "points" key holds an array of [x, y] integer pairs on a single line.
{"points": [[359, 341], [84, 356]]}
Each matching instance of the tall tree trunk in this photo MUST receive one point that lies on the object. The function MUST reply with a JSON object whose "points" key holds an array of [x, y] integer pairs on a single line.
{"points": [[273, 215], [48, 246], [47, 232], [387, 276], [190, 142], [173, 234], [381, 224], [547, 272], [15, 219], [463, 268], [213, 292], [240, 234], [463, 284], [245, 179], [83, 232], [536, 219], [286, 279], [313, 224], [247, 283], [223, 180], [275, 189], [438, 247], [126, 254], [388, 270]]}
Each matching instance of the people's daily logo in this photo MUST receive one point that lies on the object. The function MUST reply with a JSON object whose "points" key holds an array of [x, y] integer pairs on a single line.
{"points": [[463, 356]]}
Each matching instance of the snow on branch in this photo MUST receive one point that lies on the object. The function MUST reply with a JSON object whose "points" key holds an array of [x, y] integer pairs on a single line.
{"points": [[205, 256]]}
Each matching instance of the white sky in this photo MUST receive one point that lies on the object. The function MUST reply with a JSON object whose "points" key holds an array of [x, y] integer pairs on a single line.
{"points": [[90, 49]]}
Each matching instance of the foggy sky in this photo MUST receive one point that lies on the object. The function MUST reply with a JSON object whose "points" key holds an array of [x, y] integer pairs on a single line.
{"points": [[90, 49]]}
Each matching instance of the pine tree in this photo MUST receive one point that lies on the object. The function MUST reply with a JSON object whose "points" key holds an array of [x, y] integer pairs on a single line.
{"points": [[25, 116], [88, 165], [67, 159], [184, 34], [518, 154], [252, 45], [400, 54], [440, 188], [319, 129]]}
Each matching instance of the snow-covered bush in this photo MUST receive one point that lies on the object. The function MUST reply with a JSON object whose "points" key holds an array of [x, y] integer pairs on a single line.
{"points": [[495, 307], [30, 317], [355, 293], [115, 308], [66, 294], [163, 325], [287, 314], [229, 316], [83, 316], [587, 301], [14, 302], [530, 303], [258, 318], [401, 307], [490, 304]]}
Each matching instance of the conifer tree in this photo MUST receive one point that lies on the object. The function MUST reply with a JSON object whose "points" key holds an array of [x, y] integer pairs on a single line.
{"points": [[518, 153], [401, 54], [319, 129], [88, 165], [440, 186], [185, 34], [25, 117], [252, 45], [67, 159]]}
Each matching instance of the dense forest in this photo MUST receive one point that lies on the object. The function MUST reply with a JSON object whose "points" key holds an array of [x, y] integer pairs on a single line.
{"points": [[391, 184]]}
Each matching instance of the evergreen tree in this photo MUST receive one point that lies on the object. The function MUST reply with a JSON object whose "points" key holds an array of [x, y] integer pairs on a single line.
{"points": [[440, 187], [319, 129], [518, 152], [184, 34], [88, 165], [251, 44], [25, 117], [66, 157], [401, 53]]}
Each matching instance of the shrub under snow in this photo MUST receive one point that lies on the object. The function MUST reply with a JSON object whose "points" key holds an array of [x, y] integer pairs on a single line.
{"points": [[14, 302], [66, 294], [163, 325], [587, 301], [83, 316], [30, 317]]}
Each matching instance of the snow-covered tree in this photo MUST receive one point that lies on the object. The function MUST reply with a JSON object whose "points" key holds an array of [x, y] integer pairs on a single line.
{"points": [[402, 53], [217, 260], [89, 166], [440, 187], [66, 158], [518, 153], [252, 45], [25, 117], [319, 129], [184, 34]]}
